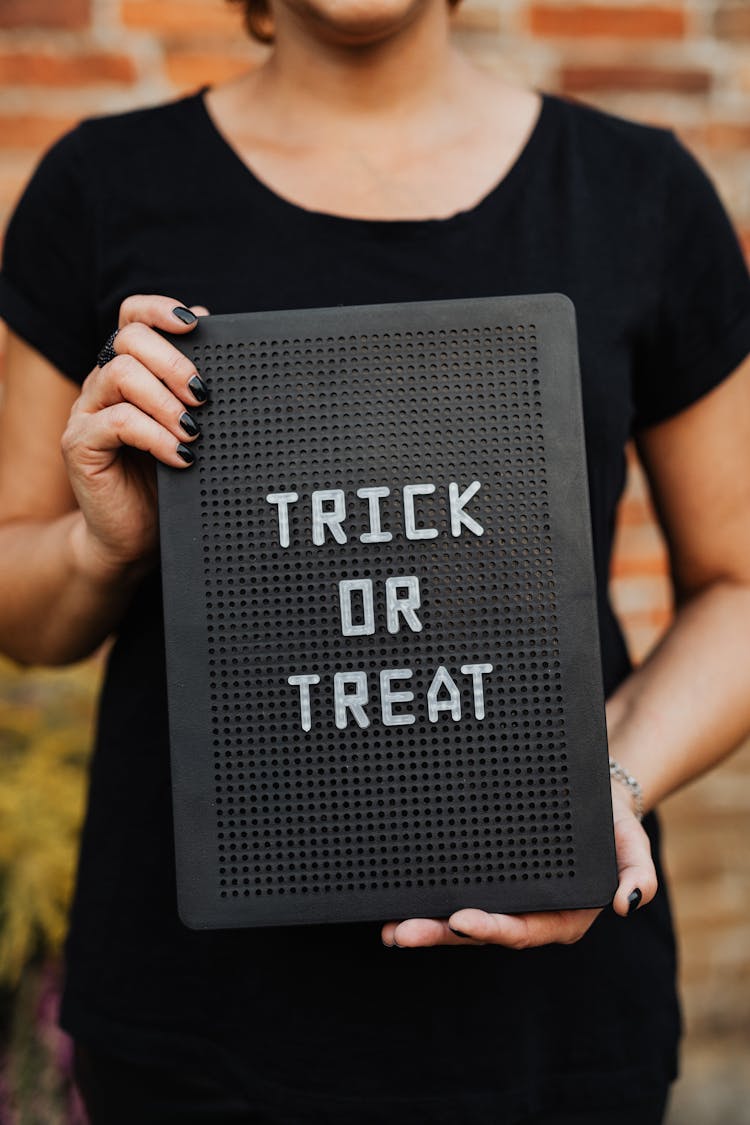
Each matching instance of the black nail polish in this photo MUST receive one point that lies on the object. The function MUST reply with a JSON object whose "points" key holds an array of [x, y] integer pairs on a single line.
{"points": [[185, 453], [459, 933], [188, 424], [185, 315], [634, 899], [198, 387]]}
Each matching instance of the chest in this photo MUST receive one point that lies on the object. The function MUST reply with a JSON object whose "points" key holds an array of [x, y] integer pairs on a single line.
{"points": [[252, 254]]}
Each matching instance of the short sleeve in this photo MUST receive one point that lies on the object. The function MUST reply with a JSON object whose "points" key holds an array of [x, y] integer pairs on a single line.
{"points": [[48, 271], [700, 330]]}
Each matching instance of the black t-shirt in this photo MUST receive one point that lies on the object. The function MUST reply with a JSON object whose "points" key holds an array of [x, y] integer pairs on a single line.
{"points": [[325, 1021]]}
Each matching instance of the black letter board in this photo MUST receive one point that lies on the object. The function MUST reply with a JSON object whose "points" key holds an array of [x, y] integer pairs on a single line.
{"points": [[385, 693]]}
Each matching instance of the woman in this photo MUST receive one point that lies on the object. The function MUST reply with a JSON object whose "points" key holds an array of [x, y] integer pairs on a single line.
{"points": [[367, 160]]}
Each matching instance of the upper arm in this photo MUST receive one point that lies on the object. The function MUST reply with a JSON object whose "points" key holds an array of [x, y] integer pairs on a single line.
{"points": [[34, 409], [48, 300], [698, 465]]}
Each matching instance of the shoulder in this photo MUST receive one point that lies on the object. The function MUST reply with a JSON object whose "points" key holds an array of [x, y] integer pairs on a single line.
{"points": [[101, 159], [588, 119], [143, 129], [105, 161], [105, 152], [600, 145]]}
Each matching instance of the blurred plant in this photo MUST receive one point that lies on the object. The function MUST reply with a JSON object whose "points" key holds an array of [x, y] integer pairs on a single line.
{"points": [[45, 736]]}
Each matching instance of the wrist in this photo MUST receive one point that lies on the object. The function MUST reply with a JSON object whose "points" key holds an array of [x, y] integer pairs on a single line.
{"points": [[91, 563], [626, 789]]}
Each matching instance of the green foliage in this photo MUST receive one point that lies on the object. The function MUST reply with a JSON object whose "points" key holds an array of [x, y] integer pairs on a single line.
{"points": [[45, 741]]}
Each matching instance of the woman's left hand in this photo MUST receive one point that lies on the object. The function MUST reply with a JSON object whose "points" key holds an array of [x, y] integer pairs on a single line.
{"points": [[468, 926]]}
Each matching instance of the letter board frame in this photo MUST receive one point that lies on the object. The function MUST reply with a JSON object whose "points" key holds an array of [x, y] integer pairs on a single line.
{"points": [[507, 807]]}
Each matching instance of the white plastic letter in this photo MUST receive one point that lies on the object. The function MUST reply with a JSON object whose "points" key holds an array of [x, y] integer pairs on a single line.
{"points": [[372, 496], [458, 515], [476, 671], [283, 499], [388, 697], [353, 700], [443, 678], [395, 605], [410, 520], [348, 628], [332, 516], [304, 696]]}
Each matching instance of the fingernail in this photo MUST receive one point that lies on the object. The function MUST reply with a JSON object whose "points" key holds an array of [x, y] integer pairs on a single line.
{"points": [[188, 424], [185, 315], [634, 899], [199, 388], [185, 453], [458, 933]]}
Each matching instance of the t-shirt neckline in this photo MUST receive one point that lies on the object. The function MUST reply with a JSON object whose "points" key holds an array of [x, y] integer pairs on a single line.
{"points": [[501, 190]]}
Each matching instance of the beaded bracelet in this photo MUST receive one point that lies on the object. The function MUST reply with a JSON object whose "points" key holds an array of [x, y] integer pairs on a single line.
{"points": [[618, 771]]}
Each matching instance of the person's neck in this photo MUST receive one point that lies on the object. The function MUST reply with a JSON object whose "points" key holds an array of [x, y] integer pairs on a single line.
{"points": [[311, 86]]}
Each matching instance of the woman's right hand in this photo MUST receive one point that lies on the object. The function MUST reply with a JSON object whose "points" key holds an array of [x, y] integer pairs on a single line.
{"points": [[130, 411]]}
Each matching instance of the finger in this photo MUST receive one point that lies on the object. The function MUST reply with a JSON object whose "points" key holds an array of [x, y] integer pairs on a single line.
{"points": [[635, 866], [200, 310], [158, 312], [524, 931], [161, 357], [126, 379], [411, 933], [103, 433]]}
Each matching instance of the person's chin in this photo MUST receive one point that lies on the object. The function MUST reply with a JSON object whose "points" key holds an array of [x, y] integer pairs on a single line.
{"points": [[360, 21]]}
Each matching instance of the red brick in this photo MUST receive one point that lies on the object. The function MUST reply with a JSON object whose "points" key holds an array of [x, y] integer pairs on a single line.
{"points": [[580, 79], [28, 130], [726, 135], [732, 21], [189, 69], [634, 509], [184, 18], [45, 13], [642, 537], [633, 566], [656, 618], [584, 20], [24, 68], [662, 618], [701, 858], [15, 170]]}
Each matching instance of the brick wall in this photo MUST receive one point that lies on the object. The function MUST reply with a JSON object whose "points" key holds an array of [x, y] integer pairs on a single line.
{"points": [[685, 63]]}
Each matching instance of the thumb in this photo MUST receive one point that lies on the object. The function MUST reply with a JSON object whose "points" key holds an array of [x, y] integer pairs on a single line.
{"points": [[635, 867]]}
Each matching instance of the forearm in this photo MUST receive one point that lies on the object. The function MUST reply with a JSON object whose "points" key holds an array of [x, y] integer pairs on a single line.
{"points": [[688, 705], [51, 610]]}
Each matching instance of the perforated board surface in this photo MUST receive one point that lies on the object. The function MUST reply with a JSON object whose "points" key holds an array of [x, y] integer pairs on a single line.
{"points": [[385, 700]]}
